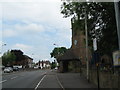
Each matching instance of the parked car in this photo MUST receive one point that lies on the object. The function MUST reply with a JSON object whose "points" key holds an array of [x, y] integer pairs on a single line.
{"points": [[36, 67], [15, 68], [56, 68], [8, 70]]}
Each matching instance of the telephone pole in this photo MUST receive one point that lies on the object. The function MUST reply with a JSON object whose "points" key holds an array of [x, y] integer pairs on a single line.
{"points": [[117, 13], [86, 34]]}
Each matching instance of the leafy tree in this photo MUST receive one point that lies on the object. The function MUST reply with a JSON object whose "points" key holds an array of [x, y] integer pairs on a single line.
{"points": [[56, 52], [101, 22], [8, 58], [53, 65]]}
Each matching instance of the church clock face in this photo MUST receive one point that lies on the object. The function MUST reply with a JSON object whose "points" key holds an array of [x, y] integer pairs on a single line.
{"points": [[75, 42]]}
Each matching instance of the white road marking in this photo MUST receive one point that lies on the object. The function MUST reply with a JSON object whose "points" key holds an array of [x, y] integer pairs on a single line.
{"points": [[22, 75], [60, 83], [40, 82], [3, 81], [14, 77]]}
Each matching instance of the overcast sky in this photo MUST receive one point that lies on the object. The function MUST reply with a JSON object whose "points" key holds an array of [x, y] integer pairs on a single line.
{"points": [[33, 26]]}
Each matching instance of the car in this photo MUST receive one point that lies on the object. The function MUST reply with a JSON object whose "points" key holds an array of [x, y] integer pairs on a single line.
{"points": [[15, 68], [8, 70], [36, 67], [56, 68]]}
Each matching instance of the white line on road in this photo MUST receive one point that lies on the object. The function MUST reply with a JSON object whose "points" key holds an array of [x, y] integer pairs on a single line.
{"points": [[14, 77], [60, 83], [3, 81], [22, 75], [40, 82]]}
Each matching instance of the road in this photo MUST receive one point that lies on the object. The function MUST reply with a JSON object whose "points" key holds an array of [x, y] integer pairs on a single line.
{"points": [[42, 79], [30, 79]]}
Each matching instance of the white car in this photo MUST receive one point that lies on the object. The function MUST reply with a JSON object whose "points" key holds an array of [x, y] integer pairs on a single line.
{"points": [[8, 70], [56, 68], [36, 67]]}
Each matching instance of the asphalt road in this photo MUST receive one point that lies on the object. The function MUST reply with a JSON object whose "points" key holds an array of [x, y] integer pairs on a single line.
{"points": [[26, 79]]}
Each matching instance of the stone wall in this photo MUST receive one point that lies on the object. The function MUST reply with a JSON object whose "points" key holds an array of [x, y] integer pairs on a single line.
{"points": [[106, 79]]}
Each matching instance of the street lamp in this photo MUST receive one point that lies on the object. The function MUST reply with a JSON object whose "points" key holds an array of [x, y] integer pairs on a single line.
{"points": [[55, 45], [57, 49], [2, 46]]}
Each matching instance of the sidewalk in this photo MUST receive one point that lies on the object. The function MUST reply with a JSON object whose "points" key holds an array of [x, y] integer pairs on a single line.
{"points": [[72, 80]]}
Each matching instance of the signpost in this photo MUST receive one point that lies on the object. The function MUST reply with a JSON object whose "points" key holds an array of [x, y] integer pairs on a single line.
{"points": [[96, 58]]}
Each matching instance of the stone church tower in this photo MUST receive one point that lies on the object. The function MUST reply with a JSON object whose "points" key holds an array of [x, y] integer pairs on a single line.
{"points": [[76, 55], [78, 41]]}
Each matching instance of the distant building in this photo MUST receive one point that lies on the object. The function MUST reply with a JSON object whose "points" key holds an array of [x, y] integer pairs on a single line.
{"points": [[22, 60], [28, 62], [43, 64]]}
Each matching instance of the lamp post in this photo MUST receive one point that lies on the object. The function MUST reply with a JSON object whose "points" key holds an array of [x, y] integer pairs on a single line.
{"points": [[58, 53], [32, 54], [2, 46], [57, 49]]}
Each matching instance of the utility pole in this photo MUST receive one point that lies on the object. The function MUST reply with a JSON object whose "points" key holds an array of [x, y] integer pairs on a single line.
{"points": [[86, 34], [117, 13]]}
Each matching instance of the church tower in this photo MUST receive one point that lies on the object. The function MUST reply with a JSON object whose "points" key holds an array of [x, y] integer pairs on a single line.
{"points": [[78, 39]]}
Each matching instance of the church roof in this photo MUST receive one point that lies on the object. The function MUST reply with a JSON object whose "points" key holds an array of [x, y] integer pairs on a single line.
{"points": [[68, 56]]}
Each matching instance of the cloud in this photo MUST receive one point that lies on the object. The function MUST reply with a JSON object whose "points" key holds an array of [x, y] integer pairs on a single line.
{"points": [[9, 33], [30, 28], [23, 47], [28, 0], [46, 12], [21, 30]]}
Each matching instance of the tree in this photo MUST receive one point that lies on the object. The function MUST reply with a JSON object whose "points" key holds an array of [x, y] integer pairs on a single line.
{"points": [[53, 65], [56, 52], [101, 22], [8, 58]]}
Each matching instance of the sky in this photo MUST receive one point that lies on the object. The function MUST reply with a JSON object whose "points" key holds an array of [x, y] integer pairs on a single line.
{"points": [[33, 26]]}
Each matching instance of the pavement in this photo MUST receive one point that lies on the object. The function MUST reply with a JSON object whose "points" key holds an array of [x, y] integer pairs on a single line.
{"points": [[72, 80], [66, 81]]}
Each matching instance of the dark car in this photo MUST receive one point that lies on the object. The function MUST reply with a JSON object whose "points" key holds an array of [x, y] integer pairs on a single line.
{"points": [[15, 68]]}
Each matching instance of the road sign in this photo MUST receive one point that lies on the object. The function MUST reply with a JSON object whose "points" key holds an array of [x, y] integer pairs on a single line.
{"points": [[95, 44], [116, 58]]}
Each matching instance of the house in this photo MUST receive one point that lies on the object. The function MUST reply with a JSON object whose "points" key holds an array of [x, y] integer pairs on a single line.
{"points": [[44, 64], [25, 62], [28, 62], [22, 60]]}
